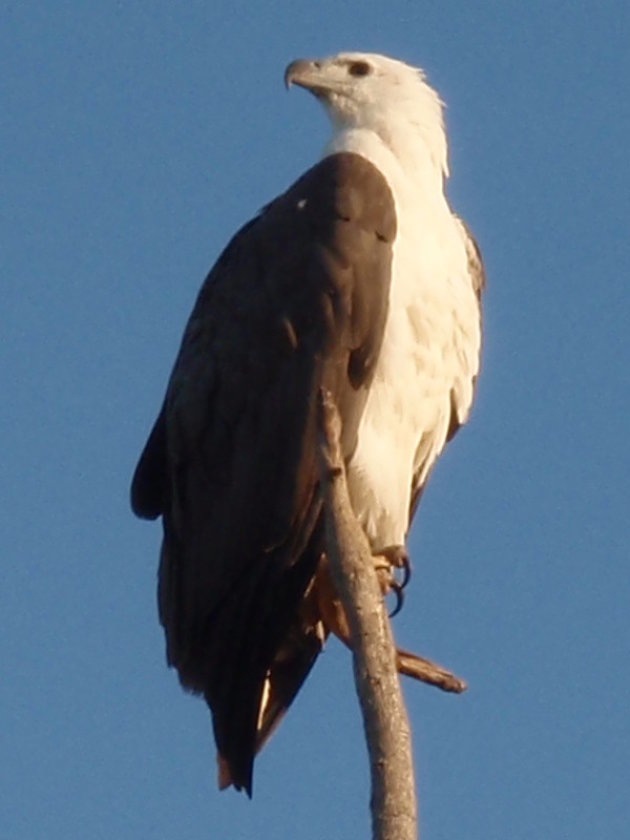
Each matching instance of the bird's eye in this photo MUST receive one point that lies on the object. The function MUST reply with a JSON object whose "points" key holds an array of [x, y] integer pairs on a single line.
{"points": [[359, 68]]}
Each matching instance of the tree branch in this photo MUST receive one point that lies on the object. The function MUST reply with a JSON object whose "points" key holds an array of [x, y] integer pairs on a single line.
{"points": [[393, 801]]}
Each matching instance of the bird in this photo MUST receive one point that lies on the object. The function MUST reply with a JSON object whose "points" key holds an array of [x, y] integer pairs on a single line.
{"points": [[358, 279]]}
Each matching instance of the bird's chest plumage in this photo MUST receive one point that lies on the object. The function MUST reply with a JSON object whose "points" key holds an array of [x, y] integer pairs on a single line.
{"points": [[426, 368]]}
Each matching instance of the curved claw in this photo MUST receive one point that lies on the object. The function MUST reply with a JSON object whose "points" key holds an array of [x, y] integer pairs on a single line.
{"points": [[394, 557], [405, 565], [397, 557], [397, 589]]}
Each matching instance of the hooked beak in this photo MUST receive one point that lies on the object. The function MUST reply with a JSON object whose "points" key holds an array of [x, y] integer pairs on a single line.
{"points": [[306, 73]]}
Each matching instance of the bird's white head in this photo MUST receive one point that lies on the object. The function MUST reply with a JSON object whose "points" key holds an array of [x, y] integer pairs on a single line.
{"points": [[374, 93]]}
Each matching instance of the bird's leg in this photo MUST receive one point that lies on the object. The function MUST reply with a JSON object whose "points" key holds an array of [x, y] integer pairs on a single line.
{"points": [[325, 600], [326, 608], [385, 562]]}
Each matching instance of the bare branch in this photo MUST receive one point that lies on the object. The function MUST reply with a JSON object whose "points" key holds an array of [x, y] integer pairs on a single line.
{"points": [[393, 802], [419, 668]]}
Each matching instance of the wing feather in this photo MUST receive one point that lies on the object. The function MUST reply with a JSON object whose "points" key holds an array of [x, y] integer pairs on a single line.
{"points": [[298, 300]]}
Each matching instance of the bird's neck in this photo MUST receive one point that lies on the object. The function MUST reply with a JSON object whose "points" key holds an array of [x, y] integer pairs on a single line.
{"points": [[410, 160]]}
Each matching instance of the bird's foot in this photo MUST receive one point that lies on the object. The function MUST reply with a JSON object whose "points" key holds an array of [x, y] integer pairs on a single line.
{"points": [[386, 562]]}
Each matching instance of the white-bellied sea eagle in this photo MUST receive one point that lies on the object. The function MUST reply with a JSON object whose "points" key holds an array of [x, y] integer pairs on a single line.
{"points": [[359, 279]]}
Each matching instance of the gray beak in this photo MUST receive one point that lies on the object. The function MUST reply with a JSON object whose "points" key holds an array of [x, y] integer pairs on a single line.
{"points": [[306, 73]]}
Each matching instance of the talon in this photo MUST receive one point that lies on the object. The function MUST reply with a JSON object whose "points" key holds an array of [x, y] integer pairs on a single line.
{"points": [[406, 572], [397, 557], [397, 589]]}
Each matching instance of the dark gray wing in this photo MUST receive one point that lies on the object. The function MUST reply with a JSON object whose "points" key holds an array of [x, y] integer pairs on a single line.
{"points": [[298, 300]]}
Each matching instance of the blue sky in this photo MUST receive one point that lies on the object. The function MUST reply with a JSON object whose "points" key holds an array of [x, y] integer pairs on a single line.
{"points": [[135, 138]]}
